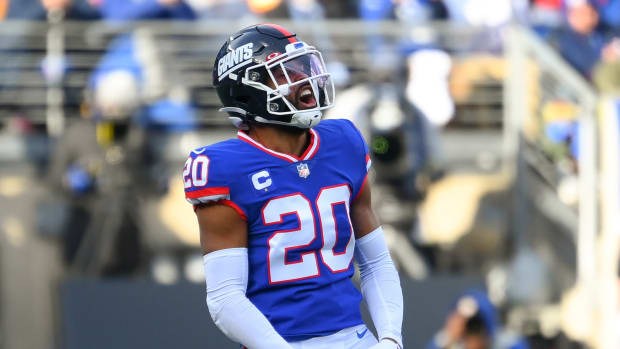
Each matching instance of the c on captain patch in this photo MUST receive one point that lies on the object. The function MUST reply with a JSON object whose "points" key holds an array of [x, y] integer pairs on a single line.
{"points": [[261, 180]]}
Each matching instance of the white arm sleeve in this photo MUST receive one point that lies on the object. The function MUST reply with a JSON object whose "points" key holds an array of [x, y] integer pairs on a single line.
{"points": [[226, 274], [380, 285]]}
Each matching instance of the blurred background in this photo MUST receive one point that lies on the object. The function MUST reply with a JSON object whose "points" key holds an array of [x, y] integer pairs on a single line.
{"points": [[493, 127]]}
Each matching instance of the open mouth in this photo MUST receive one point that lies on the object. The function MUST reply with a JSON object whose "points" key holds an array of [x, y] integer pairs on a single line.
{"points": [[305, 98]]}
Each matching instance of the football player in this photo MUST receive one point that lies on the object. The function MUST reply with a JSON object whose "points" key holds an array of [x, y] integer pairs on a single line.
{"points": [[285, 208]]}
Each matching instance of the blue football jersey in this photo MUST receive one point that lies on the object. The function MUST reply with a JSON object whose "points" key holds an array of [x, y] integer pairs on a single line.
{"points": [[300, 236]]}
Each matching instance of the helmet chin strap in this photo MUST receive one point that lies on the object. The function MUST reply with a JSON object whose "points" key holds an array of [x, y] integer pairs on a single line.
{"points": [[237, 116], [302, 119], [306, 119]]}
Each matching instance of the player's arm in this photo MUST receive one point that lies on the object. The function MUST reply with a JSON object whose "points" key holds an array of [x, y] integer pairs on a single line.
{"points": [[223, 237], [380, 282], [221, 228]]}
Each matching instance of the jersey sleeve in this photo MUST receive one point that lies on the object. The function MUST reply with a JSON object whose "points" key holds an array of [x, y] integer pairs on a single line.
{"points": [[204, 179], [361, 155]]}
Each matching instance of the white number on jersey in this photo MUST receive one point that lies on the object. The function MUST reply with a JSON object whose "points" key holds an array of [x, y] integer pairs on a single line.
{"points": [[327, 199], [284, 240], [187, 181], [281, 241], [196, 171]]}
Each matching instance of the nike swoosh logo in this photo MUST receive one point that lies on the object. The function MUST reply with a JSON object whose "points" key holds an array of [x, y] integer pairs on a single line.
{"points": [[360, 335], [199, 152]]}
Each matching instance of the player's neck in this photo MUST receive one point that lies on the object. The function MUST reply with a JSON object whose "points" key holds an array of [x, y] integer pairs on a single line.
{"points": [[288, 140]]}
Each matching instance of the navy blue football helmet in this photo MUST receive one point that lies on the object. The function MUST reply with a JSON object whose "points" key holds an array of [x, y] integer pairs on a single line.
{"points": [[264, 74]]}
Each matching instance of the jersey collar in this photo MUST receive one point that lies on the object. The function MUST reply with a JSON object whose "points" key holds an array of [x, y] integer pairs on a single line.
{"points": [[311, 150]]}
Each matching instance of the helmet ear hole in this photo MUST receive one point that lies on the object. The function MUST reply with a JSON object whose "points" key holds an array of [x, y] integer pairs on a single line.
{"points": [[255, 76], [274, 107]]}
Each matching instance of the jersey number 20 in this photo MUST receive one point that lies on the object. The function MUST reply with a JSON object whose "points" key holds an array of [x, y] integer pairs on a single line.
{"points": [[282, 241]]}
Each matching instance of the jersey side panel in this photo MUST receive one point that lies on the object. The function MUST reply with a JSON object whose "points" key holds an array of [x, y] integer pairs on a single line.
{"points": [[361, 153]]}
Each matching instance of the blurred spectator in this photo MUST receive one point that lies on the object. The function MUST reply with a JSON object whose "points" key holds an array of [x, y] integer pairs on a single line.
{"points": [[158, 87], [421, 10], [4, 8], [163, 105], [98, 168], [491, 15], [410, 11], [38, 9], [123, 10], [313, 11], [25, 39], [407, 11], [426, 83], [374, 10], [488, 13], [545, 14], [606, 74], [428, 89], [263, 7], [222, 9], [560, 121], [609, 11], [342, 9], [583, 41], [473, 323], [105, 163]]}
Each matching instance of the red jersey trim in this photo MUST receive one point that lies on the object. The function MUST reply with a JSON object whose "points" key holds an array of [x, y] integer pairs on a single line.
{"points": [[361, 188], [234, 207], [312, 149], [207, 192], [229, 204]]}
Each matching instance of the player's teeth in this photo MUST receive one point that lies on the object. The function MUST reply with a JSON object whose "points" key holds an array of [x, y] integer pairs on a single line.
{"points": [[305, 93]]}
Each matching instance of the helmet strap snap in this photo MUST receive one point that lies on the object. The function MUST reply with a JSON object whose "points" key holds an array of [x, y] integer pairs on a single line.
{"points": [[274, 107], [254, 76]]}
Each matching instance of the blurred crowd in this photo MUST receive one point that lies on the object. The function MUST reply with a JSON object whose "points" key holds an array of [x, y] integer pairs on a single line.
{"points": [[584, 31], [109, 161]]}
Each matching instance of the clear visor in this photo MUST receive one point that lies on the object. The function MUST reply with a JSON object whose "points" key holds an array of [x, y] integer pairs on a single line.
{"points": [[294, 69], [300, 81]]}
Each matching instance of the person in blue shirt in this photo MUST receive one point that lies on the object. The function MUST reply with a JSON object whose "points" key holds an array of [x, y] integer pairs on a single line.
{"points": [[285, 208], [582, 41], [473, 323]]}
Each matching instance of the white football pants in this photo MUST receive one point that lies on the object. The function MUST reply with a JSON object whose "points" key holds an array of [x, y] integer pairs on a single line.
{"points": [[356, 337]]}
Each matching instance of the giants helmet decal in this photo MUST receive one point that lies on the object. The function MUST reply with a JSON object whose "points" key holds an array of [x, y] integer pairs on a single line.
{"points": [[264, 74]]}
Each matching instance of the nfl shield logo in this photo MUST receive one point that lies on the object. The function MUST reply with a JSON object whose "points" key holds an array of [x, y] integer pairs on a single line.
{"points": [[303, 170]]}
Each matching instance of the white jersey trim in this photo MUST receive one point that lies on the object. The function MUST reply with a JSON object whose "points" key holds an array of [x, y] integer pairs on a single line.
{"points": [[207, 199]]}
